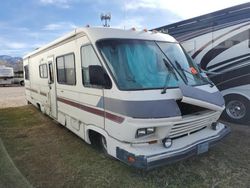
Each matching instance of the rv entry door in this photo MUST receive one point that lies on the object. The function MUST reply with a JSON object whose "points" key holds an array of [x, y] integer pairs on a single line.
{"points": [[52, 88]]}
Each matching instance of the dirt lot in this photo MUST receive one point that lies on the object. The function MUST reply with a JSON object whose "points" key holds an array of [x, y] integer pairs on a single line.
{"points": [[12, 96], [45, 154]]}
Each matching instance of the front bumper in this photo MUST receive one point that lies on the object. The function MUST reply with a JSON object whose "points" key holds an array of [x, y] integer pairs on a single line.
{"points": [[151, 161]]}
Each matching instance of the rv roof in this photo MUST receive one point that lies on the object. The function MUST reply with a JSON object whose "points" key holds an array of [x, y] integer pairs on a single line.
{"points": [[96, 33], [216, 20]]}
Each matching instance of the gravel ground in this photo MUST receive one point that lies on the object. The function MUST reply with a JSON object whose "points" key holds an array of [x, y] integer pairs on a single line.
{"points": [[12, 97]]}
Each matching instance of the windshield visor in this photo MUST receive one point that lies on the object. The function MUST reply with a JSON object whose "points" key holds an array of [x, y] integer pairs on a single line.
{"points": [[139, 64]]}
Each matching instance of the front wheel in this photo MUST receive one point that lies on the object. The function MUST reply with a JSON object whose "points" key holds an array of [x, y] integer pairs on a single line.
{"points": [[103, 144], [98, 141], [237, 109]]}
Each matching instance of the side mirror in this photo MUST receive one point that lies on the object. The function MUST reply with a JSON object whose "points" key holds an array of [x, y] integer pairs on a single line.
{"points": [[98, 76]]}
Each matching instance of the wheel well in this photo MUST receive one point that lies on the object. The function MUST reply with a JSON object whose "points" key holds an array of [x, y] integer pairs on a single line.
{"points": [[235, 95], [38, 106], [94, 137]]}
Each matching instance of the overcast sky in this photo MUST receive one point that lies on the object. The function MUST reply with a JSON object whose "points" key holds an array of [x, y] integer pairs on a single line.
{"points": [[28, 24]]}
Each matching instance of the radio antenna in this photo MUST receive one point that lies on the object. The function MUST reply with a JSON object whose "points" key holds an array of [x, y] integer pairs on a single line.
{"points": [[106, 18]]}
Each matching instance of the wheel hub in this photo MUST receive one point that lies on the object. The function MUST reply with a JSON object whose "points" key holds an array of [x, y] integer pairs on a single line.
{"points": [[236, 109]]}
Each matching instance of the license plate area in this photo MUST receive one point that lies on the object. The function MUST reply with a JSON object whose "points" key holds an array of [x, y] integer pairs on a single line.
{"points": [[202, 148]]}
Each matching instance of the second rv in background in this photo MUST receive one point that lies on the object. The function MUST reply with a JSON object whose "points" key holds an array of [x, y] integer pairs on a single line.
{"points": [[220, 43]]}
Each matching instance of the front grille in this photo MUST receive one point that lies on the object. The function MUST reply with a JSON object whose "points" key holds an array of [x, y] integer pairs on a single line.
{"points": [[187, 127]]}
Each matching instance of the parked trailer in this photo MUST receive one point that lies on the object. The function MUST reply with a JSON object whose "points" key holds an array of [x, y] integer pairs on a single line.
{"points": [[6, 75], [220, 43], [18, 78], [134, 93]]}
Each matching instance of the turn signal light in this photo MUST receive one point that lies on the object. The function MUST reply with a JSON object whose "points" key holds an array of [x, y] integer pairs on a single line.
{"points": [[131, 159]]}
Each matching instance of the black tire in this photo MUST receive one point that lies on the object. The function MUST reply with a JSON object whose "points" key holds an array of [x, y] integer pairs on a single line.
{"points": [[22, 83], [39, 107], [237, 109], [98, 141], [103, 144]]}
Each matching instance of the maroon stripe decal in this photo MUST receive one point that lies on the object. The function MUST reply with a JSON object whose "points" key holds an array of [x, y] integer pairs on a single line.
{"points": [[42, 93], [33, 90], [113, 117], [98, 112], [210, 42]]}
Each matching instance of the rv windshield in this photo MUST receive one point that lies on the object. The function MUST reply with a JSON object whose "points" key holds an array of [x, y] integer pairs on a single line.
{"points": [[140, 64], [183, 63]]}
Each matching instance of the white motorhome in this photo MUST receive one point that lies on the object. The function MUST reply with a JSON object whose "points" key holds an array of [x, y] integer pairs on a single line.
{"points": [[135, 93], [6, 75], [220, 43]]}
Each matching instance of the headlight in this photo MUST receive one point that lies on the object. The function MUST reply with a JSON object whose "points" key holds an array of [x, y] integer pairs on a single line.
{"points": [[144, 131]]}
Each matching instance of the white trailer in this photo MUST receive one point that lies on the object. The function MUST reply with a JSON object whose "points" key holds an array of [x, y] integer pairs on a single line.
{"points": [[134, 93], [6, 75], [220, 43]]}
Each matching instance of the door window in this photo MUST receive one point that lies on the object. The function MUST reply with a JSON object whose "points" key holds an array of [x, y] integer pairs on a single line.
{"points": [[51, 73]]}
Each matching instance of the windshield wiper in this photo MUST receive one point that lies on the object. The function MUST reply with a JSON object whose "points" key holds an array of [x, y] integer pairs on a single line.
{"points": [[204, 79], [170, 70]]}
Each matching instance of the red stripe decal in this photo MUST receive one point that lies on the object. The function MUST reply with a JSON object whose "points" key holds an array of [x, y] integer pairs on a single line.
{"points": [[98, 112], [33, 90], [42, 93]]}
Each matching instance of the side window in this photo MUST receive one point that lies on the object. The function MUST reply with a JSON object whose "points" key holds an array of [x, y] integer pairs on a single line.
{"points": [[26, 72], [43, 71], [88, 57], [66, 73]]}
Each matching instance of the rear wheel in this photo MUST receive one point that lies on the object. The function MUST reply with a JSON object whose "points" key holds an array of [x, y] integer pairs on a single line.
{"points": [[237, 109], [22, 83]]}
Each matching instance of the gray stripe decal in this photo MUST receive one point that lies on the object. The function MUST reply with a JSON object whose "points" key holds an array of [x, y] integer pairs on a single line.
{"points": [[100, 103], [142, 109], [214, 98]]}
